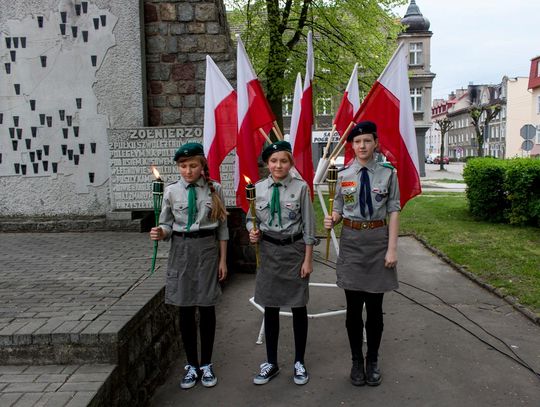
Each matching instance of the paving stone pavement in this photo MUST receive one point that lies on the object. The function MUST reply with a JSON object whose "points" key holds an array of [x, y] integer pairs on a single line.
{"points": [[64, 297], [51, 385]]}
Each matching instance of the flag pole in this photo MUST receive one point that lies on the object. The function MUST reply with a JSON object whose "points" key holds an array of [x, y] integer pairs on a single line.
{"points": [[342, 141], [265, 135], [326, 152], [277, 130]]}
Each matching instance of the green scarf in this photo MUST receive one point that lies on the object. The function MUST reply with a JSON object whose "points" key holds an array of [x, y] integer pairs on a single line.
{"points": [[192, 205], [275, 207]]}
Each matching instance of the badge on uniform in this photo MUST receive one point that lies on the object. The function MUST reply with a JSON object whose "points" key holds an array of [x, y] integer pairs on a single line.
{"points": [[349, 199], [380, 194], [292, 215]]}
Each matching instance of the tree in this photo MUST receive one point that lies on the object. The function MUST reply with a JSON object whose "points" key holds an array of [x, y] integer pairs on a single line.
{"points": [[344, 32], [445, 125], [481, 116]]}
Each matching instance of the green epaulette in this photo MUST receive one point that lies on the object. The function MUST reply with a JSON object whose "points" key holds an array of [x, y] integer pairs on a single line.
{"points": [[388, 165]]}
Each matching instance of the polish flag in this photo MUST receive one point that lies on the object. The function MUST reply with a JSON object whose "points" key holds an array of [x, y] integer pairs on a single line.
{"points": [[301, 137], [220, 118], [388, 104], [350, 103], [254, 113]]}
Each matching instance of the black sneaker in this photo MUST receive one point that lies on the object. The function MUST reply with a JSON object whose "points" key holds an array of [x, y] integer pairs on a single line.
{"points": [[268, 372], [300, 374], [190, 378], [373, 374], [208, 378]]}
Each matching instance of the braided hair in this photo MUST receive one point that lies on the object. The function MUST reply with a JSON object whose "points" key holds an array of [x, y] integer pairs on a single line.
{"points": [[219, 212]]}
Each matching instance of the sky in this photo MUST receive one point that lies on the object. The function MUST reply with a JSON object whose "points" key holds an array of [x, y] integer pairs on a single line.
{"points": [[479, 41]]}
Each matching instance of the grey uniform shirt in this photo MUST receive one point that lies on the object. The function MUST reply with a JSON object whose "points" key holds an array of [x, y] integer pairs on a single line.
{"points": [[297, 215], [174, 210], [384, 191]]}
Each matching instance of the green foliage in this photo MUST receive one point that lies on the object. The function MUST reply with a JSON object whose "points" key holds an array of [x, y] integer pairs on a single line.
{"points": [[344, 32], [523, 186], [504, 190], [485, 188]]}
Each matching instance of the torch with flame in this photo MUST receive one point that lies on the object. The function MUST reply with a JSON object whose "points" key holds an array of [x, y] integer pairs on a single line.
{"points": [[251, 196], [331, 179], [157, 195]]}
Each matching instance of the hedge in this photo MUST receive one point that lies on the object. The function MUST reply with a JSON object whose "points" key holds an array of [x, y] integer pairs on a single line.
{"points": [[504, 190]]}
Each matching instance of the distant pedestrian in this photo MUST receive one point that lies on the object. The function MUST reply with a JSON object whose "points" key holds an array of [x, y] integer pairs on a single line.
{"points": [[367, 200], [286, 232], [194, 216]]}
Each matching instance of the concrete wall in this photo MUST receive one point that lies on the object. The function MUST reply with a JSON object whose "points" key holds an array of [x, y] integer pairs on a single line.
{"points": [[60, 143]]}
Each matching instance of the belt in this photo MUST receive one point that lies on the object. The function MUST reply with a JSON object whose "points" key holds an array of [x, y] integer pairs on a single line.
{"points": [[283, 242], [364, 224], [195, 235]]}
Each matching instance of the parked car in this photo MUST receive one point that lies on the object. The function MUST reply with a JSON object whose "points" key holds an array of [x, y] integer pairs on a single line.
{"points": [[430, 157], [437, 160]]}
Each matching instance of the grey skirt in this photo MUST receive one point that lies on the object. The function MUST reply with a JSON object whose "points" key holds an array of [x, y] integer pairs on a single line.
{"points": [[278, 282], [192, 272], [360, 264]]}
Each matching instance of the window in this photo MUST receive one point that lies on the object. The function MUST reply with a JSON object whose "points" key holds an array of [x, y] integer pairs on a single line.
{"points": [[416, 99], [538, 68], [324, 105], [287, 105], [415, 53], [538, 105]]}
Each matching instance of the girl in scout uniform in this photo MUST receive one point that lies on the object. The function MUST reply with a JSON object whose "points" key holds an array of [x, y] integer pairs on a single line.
{"points": [[286, 232], [367, 200], [194, 217]]}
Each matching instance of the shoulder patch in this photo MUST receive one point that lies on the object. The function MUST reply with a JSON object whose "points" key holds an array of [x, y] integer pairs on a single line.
{"points": [[387, 165]]}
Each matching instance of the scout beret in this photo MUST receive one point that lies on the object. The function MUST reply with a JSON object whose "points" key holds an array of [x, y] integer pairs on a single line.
{"points": [[365, 127], [281, 145], [189, 150]]}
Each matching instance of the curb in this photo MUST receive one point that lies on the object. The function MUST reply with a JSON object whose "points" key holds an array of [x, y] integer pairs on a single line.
{"points": [[532, 316]]}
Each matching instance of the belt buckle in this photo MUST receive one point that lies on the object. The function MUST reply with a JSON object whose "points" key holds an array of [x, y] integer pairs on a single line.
{"points": [[364, 225]]}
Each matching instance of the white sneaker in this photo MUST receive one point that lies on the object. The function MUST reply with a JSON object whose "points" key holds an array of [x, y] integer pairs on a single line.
{"points": [[267, 373], [300, 374], [190, 378], [208, 378]]}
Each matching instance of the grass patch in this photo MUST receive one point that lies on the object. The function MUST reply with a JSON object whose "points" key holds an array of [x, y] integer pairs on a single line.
{"points": [[446, 180], [505, 256]]}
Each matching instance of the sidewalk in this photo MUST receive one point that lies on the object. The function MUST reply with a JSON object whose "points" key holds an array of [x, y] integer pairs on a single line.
{"points": [[434, 352]]}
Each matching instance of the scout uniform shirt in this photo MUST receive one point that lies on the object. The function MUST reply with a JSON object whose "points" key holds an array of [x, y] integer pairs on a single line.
{"points": [[384, 191], [297, 214], [174, 213]]}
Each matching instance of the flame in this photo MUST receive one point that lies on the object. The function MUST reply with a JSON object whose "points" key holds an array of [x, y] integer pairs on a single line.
{"points": [[248, 180], [332, 162], [155, 171]]}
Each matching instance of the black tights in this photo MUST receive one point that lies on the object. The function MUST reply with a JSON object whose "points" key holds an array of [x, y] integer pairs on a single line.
{"points": [[271, 329], [188, 329], [355, 324]]}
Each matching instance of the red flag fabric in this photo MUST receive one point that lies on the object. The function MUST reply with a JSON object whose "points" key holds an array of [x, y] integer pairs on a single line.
{"points": [[254, 113], [301, 140], [220, 118], [350, 103], [388, 104]]}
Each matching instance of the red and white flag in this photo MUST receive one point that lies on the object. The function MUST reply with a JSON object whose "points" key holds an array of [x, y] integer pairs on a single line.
{"points": [[301, 138], [350, 103], [254, 113], [220, 118], [388, 105]]}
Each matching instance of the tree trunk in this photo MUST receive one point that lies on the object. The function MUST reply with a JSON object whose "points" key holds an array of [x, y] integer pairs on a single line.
{"points": [[442, 152]]}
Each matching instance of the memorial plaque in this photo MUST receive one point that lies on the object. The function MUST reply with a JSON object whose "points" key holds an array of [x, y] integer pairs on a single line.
{"points": [[133, 151]]}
